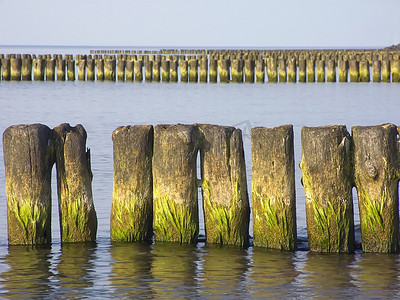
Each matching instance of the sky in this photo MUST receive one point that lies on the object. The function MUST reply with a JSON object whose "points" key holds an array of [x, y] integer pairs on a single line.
{"points": [[202, 23]]}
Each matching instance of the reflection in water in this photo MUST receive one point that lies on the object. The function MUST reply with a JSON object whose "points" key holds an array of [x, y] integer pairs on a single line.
{"points": [[328, 275], [131, 269], [175, 270], [29, 272], [75, 269], [378, 275], [224, 271], [272, 273]]}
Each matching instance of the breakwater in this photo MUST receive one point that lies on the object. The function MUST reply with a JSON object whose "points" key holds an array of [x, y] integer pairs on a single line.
{"points": [[156, 184], [207, 66]]}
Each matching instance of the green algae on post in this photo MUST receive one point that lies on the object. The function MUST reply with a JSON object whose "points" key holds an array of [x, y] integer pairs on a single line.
{"points": [[226, 203], [132, 204], [273, 188], [78, 220], [28, 160], [376, 159], [327, 172], [175, 204]]}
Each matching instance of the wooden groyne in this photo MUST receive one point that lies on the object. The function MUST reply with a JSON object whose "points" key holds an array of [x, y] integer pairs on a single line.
{"points": [[156, 185], [237, 66]]}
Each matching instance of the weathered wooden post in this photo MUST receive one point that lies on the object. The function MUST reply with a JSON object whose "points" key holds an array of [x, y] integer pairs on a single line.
{"points": [[226, 203], [310, 69], [174, 70], [193, 73], [60, 69], [327, 170], [109, 68], [273, 188], [320, 70], [165, 69], [16, 65], [50, 69], [175, 201], [291, 69], [39, 65], [237, 71], [376, 159], [121, 64], [183, 66], [28, 160], [204, 70], [78, 221], [82, 69], [148, 68], [376, 71], [100, 69], [156, 71], [282, 70], [354, 70], [27, 68], [213, 71], [395, 69], [260, 71], [272, 68], [139, 70], [6, 69], [249, 66], [331, 71], [364, 71], [90, 63], [71, 70], [385, 70], [224, 70], [302, 70], [343, 69], [132, 206]]}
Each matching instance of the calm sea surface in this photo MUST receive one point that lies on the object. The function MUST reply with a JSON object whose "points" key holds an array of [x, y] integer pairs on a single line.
{"points": [[167, 270]]}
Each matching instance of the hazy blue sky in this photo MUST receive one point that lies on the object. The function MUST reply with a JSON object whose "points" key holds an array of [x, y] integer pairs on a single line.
{"points": [[206, 23]]}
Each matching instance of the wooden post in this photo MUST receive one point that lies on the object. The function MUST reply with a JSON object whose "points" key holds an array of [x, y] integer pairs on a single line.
{"points": [[78, 221], [39, 65], [100, 69], [343, 67], [193, 73], [183, 66], [273, 188], [395, 69], [51, 69], [385, 70], [223, 70], [148, 67], [139, 70], [156, 71], [165, 68], [226, 203], [310, 70], [82, 69], [376, 71], [16, 65], [71, 70], [260, 71], [302, 70], [282, 70], [354, 70], [331, 71], [364, 71], [376, 159], [272, 67], [90, 69], [109, 69], [327, 170], [237, 71], [213, 70], [174, 70], [132, 206], [27, 68], [28, 160], [175, 203], [121, 64], [291, 69], [320, 71], [60, 70], [249, 66], [6, 69], [204, 70]]}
